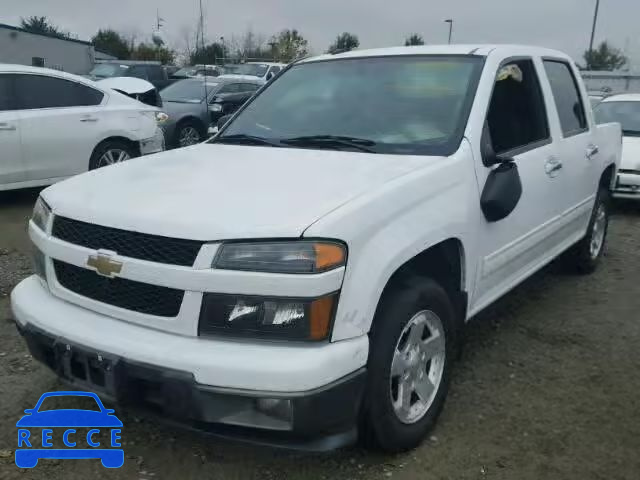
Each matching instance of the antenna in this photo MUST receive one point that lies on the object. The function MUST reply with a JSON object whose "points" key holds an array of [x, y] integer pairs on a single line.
{"points": [[206, 94]]}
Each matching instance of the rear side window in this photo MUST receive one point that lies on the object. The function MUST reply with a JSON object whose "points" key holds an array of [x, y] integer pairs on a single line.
{"points": [[517, 118], [38, 91], [155, 72], [138, 71], [6, 93], [567, 97]]}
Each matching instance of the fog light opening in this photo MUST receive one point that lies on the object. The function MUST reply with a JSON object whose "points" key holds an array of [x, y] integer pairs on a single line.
{"points": [[278, 408]]}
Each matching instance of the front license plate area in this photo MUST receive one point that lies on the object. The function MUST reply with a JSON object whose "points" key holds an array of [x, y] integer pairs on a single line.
{"points": [[89, 370]]}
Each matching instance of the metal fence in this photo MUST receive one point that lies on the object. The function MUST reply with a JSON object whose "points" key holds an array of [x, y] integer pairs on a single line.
{"points": [[611, 82]]}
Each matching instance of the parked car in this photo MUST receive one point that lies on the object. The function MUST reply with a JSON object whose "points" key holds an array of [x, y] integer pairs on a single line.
{"points": [[625, 109], [135, 88], [54, 125], [197, 71], [171, 70], [252, 70], [189, 113], [305, 276], [150, 71]]}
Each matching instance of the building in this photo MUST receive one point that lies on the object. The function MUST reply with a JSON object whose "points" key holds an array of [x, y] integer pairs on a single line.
{"points": [[40, 50], [611, 82]]}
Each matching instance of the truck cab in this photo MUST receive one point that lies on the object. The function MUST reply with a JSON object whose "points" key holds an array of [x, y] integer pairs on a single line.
{"points": [[304, 277]]}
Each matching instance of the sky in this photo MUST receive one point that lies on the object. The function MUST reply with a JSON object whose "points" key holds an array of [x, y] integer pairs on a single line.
{"points": [[560, 24]]}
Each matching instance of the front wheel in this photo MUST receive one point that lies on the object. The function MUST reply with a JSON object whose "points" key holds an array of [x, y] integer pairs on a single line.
{"points": [[411, 350], [188, 134], [585, 255]]}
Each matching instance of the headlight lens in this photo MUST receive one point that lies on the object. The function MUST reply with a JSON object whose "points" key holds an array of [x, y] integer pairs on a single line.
{"points": [[276, 318], [41, 214], [216, 107], [281, 257]]}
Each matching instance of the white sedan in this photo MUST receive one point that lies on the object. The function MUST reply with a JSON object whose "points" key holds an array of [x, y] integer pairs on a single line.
{"points": [[54, 125], [625, 109]]}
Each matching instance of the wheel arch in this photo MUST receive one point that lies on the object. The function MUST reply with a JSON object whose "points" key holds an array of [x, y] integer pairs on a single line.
{"points": [[135, 146], [443, 262], [608, 177]]}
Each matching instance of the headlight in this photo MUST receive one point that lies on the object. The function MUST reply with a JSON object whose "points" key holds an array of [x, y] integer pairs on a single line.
{"points": [[267, 317], [299, 256], [161, 117], [216, 107], [41, 214]]}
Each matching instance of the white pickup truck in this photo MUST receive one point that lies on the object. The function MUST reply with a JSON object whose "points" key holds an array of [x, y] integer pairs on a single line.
{"points": [[304, 277]]}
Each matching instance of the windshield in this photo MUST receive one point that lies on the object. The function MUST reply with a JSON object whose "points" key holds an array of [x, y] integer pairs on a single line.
{"points": [[404, 104], [106, 70], [625, 113], [187, 91], [256, 70]]}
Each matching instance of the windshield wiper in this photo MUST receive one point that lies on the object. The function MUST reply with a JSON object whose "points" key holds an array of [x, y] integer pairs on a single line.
{"points": [[361, 144], [243, 139]]}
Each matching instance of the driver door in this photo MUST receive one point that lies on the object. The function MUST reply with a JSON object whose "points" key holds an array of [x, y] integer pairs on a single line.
{"points": [[517, 119]]}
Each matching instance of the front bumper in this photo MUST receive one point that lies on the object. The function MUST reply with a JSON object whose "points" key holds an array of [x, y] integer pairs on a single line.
{"points": [[209, 384], [322, 419], [627, 186], [154, 144]]}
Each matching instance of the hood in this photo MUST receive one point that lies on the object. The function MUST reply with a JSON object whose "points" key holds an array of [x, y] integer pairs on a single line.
{"points": [[213, 192], [128, 85], [630, 153]]}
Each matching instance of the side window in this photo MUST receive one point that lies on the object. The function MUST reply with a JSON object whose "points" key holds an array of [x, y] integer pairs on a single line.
{"points": [[38, 91], [138, 71], [517, 117], [229, 88], [37, 61], [6, 93], [155, 72], [275, 70], [249, 87], [567, 97]]}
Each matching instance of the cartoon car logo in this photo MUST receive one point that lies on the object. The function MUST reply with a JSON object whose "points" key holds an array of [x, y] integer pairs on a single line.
{"points": [[96, 417]]}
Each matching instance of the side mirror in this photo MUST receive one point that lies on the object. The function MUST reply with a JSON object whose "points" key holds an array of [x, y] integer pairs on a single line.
{"points": [[270, 75], [502, 191], [29, 411]]}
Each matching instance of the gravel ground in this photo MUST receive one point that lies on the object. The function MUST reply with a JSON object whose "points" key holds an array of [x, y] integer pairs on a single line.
{"points": [[547, 387]]}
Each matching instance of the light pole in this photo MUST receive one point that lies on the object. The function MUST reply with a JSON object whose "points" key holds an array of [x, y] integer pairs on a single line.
{"points": [[450, 22], [593, 33]]}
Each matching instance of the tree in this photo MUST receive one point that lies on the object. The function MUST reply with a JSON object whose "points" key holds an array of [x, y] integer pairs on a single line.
{"points": [[150, 52], [209, 55], [288, 45], [605, 57], [41, 25], [249, 46], [111, 42], [344, 42], [414, 39]]}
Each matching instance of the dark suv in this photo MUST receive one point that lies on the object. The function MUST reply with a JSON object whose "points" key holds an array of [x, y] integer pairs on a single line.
{"points": [[151, 72]]}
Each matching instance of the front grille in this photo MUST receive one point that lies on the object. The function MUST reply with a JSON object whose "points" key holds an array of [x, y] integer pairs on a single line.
{"points": [[119, 292], [154, 248]]}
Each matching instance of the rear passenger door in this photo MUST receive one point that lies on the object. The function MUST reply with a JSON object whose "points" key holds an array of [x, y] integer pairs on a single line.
{"points": [[577, 152], [12, 168], [60, 122]]}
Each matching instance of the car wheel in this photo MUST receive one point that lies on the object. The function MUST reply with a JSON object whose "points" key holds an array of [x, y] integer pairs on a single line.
{"points": [[585, 255], [110, 153], [188, 134], [411, 349]]}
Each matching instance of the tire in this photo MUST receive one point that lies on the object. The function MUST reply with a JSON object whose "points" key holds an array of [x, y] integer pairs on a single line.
{"points": [[420, 302], [188, 133], [111, 152], [585, 256]]}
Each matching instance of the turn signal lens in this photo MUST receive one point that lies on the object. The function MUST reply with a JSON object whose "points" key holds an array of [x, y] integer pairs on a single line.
{"points": [[320, 319]]}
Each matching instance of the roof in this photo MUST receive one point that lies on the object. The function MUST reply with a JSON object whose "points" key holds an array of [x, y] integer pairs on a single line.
{"points": [[471, 49], [623, 97], [10, 68], [18, 29]]}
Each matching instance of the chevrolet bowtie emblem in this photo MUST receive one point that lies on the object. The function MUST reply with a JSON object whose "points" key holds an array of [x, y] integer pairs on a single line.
{"points": [[104, 265]]}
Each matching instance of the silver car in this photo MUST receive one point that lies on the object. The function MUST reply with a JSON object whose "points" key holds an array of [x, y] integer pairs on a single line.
{"points": [[189, 113]]}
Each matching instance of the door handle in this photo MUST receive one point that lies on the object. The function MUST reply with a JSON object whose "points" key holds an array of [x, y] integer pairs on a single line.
{"points": [[592, 150], [552, 167], [88, 119], [7, 126]]}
